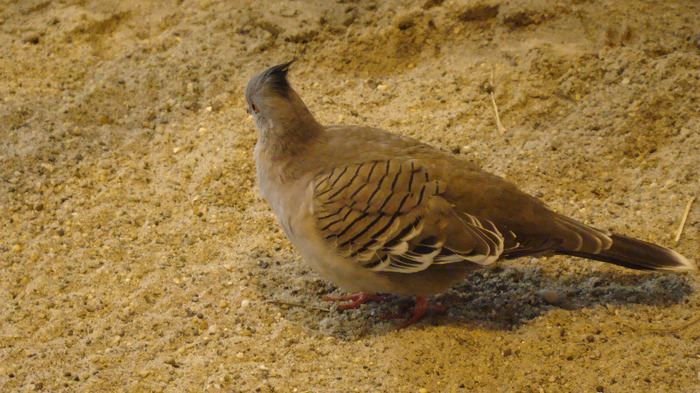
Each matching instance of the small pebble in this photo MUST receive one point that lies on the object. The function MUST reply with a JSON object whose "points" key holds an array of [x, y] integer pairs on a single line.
{"points": [[16, 248], [551, 296], [465, 149], [31, 38], [245, 303]]}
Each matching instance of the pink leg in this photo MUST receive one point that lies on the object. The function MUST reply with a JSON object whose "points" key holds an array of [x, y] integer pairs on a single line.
{"points": [[421, 307], [357, 300]]}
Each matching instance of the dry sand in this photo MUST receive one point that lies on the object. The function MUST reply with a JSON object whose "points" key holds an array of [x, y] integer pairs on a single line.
{"points": [[136, 255]]}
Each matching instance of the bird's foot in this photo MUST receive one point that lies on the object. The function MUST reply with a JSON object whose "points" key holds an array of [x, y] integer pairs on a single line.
{"points": [[356, 300], [418, 311]]}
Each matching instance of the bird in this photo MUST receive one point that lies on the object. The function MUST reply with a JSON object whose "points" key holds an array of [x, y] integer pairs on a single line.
{"points": [[380, 214]]}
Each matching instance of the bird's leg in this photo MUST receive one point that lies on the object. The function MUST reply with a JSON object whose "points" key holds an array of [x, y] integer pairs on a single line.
{"points": [[357, 300], [412, 317]]}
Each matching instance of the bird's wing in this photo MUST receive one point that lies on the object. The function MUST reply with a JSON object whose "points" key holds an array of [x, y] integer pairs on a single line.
{"points": [[389, 216]]}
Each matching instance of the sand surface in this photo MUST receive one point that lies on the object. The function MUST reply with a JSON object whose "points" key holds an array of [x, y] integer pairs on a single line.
{"points": [[137, 256]]}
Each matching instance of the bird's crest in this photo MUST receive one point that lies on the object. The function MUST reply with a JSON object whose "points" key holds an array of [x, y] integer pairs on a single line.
{"points": [[276, 77]]}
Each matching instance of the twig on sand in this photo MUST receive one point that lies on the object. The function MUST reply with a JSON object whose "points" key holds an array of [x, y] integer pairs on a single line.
{"points": [[495, 107], [292, 304], [679, 232]]}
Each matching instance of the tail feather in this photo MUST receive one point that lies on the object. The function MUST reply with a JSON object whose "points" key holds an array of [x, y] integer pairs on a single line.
{"points": [[638, 254]]}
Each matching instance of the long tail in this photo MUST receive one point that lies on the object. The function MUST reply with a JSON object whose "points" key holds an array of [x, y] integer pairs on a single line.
{"points": [[638, 254]]}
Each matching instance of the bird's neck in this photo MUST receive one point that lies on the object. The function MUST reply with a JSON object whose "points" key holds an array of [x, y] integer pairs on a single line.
{"points": [[282, 150], [289, 129], [280, 163], [288, 139]]}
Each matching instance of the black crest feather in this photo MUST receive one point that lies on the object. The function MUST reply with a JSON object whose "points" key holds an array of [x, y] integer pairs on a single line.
{"points": [[276, 77]]}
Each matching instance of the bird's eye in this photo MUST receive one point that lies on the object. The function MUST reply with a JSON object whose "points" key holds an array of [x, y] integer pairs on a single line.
{"points": [[255, 108]]}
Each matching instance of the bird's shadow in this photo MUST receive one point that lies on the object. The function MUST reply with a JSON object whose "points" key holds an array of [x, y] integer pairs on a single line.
{"points": [[504, 298]]}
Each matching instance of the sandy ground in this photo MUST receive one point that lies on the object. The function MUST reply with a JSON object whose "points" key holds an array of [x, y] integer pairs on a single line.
{"points": [[136, 255]]}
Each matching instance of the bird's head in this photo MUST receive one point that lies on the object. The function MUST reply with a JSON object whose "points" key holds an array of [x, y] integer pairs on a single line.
{"points": [[274, 104], [267, 87]]}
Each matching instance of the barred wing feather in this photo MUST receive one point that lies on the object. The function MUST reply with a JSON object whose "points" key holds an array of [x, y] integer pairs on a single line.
{"points": [[390, 216]]}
